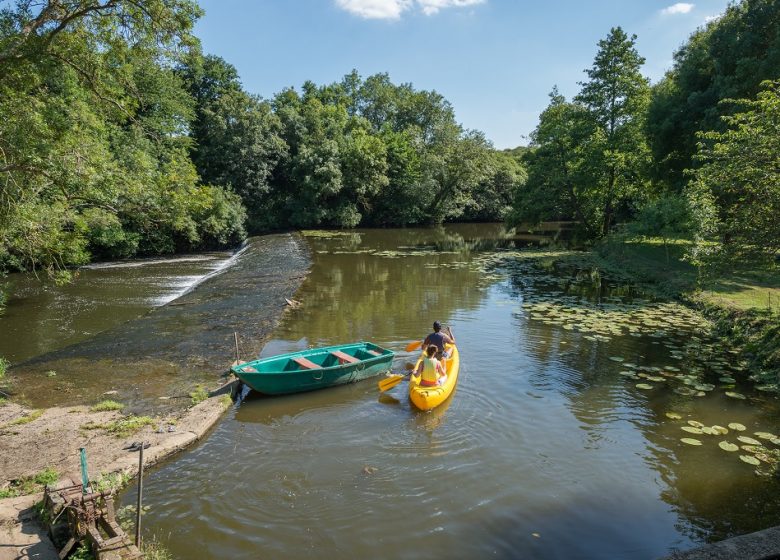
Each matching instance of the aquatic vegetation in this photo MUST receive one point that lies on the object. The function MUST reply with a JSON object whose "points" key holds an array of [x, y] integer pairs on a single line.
{"points": [[644, 386], [748, 440], [673, 416], [690, 441], [749, 459], [691, 429], [737, 427], [728, 446], [34, 415], [199, 395]]}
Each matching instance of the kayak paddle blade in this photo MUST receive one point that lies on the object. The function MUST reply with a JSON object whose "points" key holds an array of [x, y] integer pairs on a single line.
{"points": [[389, 382], [412, 346]]}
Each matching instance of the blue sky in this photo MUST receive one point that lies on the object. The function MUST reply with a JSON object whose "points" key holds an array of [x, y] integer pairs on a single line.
{"points": [[494, 60]]}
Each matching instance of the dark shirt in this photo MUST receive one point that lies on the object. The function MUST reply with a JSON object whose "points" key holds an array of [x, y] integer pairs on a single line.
{"points": [[437, 338]]}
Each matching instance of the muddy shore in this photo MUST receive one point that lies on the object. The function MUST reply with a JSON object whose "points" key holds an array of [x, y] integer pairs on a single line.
{"points": [[149, 365]]}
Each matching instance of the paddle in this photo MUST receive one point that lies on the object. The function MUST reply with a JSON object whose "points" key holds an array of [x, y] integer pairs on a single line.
{"points": [[389, 382], [412, 346]]}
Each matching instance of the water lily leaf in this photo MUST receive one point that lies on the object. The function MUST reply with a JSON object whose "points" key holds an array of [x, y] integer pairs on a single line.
{"points": [[704, 387], [751, 448], [765, 435], [707, 430], [691, 429], [720, 430], [644, 386], [737, 426], [695, 424], [776, 441], [690, 441], [673, 416], [728, 446], [749, 459], [727, 379], [749, 440], [616, 358], [734, 395]]}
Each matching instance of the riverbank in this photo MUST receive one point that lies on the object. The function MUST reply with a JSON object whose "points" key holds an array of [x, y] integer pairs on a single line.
{"points": [[743, 307], [156, 370]]}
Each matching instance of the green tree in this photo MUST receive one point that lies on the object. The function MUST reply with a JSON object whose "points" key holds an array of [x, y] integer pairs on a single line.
{"points": [[616, 95], [727, 59], [739, 179]]}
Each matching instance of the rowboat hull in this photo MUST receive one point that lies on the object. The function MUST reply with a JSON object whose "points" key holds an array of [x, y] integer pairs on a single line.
{"points": [[316, 368], [427, 398]]}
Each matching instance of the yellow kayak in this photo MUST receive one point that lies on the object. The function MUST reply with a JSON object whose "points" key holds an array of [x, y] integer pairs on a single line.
{"points": [[426, 398]]}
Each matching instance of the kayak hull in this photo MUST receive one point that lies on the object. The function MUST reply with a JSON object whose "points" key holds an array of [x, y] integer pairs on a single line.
{"points": [[427, 398]]}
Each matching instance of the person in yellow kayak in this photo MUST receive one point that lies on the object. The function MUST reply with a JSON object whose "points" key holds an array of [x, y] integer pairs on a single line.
{"points": [[430, 369], [439, 339]]}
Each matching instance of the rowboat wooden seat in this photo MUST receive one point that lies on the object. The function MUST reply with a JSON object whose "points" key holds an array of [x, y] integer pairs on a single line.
{"points": [[344, 358], [304, 363], [374, 352]]}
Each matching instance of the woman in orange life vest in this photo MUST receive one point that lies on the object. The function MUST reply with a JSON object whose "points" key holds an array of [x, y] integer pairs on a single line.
{"points": [[431, 369]]}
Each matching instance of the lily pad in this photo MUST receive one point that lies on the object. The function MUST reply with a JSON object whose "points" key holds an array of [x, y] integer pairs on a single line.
{"points": [[616, 358], [644, 386], [734, 395], [776, 441], [765, 435], [720, 430], [695, 424], [748, 440], [707, 430], [673, 416], [728, 446], [737, 426], [691, 429], [690, 441], [749, 459]]}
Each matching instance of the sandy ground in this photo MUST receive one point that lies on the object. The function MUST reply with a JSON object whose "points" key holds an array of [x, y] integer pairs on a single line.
{"points": [[50, 440]]}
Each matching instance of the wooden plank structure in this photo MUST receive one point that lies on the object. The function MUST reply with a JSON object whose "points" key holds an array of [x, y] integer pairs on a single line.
{"points": [[75, 517]]}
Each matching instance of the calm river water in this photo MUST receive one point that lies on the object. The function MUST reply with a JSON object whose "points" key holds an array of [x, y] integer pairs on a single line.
{"points": [[548, 449]]}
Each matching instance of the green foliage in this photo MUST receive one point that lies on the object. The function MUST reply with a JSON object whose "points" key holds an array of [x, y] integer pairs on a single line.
{"points": [[727, 59], [93, 147], [667, 217], [199, 395], [30, 484], [107, 405], [737, 188], [126, 426], [3, 367], [589, 156], [111, 481], [83, 552]]}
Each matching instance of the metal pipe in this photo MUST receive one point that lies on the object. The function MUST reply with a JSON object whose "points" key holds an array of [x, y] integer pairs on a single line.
{"points": [[139, 502]]}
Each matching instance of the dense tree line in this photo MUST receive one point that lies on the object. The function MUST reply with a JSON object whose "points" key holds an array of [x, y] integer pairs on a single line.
{"points": [[356, 152], [118, 137], [695, 155], [94, 151]]}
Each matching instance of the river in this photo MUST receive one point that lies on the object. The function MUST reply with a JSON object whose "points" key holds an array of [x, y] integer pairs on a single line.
{"points": [[548, 448], [564, 438]]}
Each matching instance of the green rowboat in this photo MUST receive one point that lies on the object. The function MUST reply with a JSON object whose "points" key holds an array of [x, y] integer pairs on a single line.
{"points": [[316, 368]]}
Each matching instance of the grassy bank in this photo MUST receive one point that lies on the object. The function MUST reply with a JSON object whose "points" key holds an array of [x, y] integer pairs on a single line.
{"points": [[744, 305]]}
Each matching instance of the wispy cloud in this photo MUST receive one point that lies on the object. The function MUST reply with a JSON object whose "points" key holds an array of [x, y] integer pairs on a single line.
{"points": [[679, 8], [708, 19], [393, 9]]}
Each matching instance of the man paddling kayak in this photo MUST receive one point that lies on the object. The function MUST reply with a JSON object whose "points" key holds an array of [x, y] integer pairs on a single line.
{"points": [[439, 339]]}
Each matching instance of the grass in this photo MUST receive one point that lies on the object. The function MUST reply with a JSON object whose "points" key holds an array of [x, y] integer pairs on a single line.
{"points": [[199, 395], [34, 415], [664, 270], [128, 425], [107, 405], [30, 484], [123, 427]]}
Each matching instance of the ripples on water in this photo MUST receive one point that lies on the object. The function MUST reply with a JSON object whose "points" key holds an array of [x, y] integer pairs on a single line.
{"points": [[543, 452]]}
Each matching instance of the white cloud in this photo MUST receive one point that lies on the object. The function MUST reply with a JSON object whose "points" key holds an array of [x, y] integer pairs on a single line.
{"points": [[392, 9], [708, 19], [679, 8], [375, 9], [430, 7]]}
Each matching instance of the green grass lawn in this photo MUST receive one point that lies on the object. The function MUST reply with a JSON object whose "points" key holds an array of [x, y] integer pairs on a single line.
{"points": [[649, 261]]}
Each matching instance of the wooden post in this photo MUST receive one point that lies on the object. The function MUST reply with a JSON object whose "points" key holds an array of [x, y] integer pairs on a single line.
{"points": [[139, 502]]}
